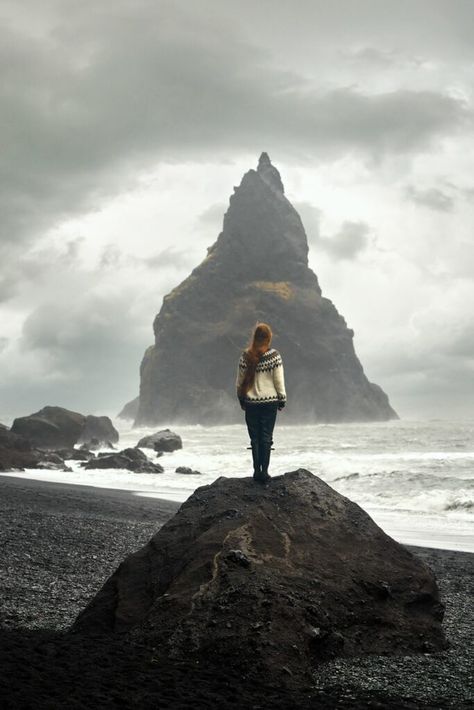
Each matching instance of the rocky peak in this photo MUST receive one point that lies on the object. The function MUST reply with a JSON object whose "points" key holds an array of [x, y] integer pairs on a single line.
{"points": [[262, 232], [269, 173], [257, 269]]}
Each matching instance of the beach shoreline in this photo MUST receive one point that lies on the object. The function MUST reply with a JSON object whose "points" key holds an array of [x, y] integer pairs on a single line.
{"points": [[61, 542]]}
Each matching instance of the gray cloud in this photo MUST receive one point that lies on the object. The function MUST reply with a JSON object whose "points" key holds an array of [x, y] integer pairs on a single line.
{"points": [[460, 343], [172, 257], [352, 238], [85, 328], [111, 257], [381, 58], [346, 244], [432, 374], [32, 269], [8, 287], [92, 98], [433, 197], [92, 347], [100, 97], [213, 216]]}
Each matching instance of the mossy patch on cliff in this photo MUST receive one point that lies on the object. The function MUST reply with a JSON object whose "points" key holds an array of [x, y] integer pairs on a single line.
{"points": [[280, 288]]}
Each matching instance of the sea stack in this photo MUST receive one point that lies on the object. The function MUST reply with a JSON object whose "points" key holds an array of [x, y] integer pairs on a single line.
{"points": [[257, 270]]}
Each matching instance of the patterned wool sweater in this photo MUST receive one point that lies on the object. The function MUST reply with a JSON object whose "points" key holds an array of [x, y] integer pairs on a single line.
{"points": [[269, 385]]}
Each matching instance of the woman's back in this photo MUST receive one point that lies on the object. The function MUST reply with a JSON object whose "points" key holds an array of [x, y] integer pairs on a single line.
{"points": [[268, 384], [261, 391]]}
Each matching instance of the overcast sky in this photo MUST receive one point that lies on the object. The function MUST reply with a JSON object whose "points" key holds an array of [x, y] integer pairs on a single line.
{"points": [[125, 125]]}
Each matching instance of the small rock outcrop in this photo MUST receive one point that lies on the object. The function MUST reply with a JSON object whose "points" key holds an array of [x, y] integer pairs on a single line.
{"points": [[132, 459], [98, 429], [81, 454], [164, 440], [257, 269], [187, 471], [53, 462], [272, 580]]}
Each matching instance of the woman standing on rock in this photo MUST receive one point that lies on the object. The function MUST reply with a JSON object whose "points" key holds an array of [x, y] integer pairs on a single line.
{"points": [[261, 391]]}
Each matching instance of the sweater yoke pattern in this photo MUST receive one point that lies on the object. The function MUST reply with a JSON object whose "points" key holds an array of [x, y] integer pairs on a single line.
{"points": [[267, 362], [269, 383]]}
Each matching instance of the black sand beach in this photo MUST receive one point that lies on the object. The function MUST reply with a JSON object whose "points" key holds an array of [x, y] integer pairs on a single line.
{"points": [[60, 543]]}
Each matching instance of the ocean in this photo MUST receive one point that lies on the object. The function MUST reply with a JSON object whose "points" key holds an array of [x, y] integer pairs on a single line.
{"points": [[414, 478]]}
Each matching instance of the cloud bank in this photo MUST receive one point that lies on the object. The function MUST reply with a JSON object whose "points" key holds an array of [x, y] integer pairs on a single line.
{"points": [[369, 120]]}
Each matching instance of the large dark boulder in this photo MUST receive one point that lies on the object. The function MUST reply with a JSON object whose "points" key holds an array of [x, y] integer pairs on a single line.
{"points": [[15, 451], [12, 459], [51, 427], [164, 440], [132, 459], [17, 454], [98, 429], [11, 440], [270, 580], [256, 270], [57, 427]]}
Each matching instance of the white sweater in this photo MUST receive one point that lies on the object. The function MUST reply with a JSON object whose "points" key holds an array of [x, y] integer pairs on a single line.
{"points": [[269, 384]]}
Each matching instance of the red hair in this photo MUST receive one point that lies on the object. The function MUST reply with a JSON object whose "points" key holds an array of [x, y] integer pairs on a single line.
{"points": [[259, 343]]}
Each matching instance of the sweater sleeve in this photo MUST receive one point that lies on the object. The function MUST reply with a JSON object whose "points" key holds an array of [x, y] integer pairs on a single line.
{"points": [[240, 373], [279, 379]]}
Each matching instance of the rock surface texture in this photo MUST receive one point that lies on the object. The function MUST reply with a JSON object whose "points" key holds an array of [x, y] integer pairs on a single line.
{"points": [[271, 580], [256, 270]]}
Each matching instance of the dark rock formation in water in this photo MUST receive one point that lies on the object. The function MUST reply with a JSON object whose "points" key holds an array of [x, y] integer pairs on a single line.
{"points": [[272, 580], [17, 453], [80, 454], [99, 429], [160, 441], [187, 471], [131, 459], [256, 270], [57, 427], [51, 427]]}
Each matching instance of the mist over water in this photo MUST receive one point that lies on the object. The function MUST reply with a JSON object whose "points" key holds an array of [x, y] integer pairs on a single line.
{"points": [[414, 478]]}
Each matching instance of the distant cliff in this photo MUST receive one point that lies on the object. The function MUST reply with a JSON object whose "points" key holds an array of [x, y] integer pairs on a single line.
{"points": [[256, 270]]}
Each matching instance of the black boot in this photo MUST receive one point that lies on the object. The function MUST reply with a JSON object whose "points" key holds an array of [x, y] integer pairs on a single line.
{"points": [[256, 461], [265, 449]]}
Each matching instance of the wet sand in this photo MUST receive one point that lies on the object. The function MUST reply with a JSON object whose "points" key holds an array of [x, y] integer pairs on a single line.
{"points": [[60, 542]]}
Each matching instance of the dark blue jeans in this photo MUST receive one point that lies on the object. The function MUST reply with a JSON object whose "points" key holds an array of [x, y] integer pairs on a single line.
{"points": [[260, 420]]}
